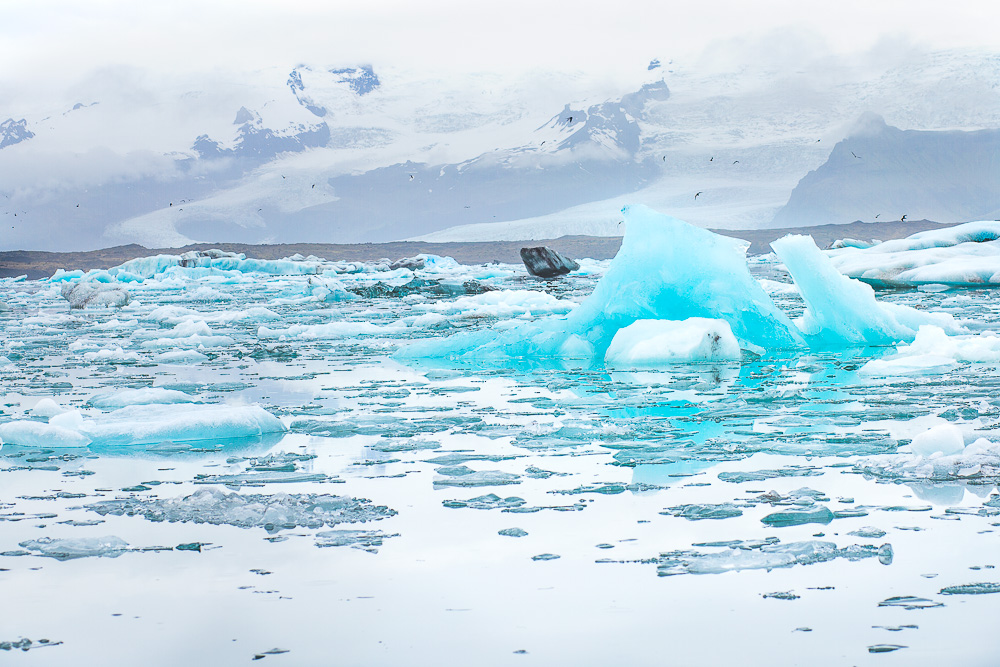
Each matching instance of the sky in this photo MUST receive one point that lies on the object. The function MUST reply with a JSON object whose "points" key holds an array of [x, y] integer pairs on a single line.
{"points": [[49, 44]]}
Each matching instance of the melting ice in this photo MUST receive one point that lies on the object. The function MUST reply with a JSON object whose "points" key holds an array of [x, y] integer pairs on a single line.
{"points": [[277, 441]]}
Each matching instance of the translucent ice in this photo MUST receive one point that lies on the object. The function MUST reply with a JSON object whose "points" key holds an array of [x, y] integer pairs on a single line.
{"points": [[665, 269], [841, 310], [272, 512], [144, 396], [647, 343], [140, 424], [80, 547], [758, 557], [84, 294], [944, 439]]}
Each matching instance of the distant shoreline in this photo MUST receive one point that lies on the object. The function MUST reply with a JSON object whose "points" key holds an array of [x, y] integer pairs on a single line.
{"points": [[38, 264]]}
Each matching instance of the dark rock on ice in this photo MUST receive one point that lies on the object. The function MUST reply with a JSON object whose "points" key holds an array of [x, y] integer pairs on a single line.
{"points": [[546, 263]]}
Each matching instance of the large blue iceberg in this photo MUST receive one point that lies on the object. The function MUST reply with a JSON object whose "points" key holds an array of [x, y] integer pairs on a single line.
{"points": [[667, 269]]}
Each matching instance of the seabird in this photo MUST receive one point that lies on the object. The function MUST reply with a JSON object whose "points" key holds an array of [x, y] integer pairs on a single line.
{"points": [[314, 185], [696, 195], [411, 177], [711, 158], [877, 215], [570, 119], [664, 158], [736, 161], [852, 153], [903, 219]]}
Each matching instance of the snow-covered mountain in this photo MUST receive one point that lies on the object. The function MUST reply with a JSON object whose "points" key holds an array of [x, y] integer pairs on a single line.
{"points": [[372, 153], [882, 172]]}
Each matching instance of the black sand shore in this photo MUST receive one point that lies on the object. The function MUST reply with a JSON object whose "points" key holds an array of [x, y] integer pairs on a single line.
{"points": [[39, 264]]}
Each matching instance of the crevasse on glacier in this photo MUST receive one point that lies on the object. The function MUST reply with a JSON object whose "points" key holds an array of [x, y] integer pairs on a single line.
{"points": [[667, 269]]}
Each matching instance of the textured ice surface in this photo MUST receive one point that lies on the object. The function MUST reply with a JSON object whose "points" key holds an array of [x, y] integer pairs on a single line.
{"points": [[140, 424], [80, 547], [967, 254], [762, 556], [840, 310], [650, 343], [86, 294], [272, 512]]}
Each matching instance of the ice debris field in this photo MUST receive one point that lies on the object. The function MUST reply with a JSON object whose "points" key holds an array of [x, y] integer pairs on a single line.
{"points": [[680, 456]]}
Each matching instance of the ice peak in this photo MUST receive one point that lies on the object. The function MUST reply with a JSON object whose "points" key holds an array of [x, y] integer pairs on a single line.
{"points": [[868, 124]]}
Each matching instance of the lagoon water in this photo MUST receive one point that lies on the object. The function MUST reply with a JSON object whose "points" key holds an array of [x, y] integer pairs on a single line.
{"points": [[352, 507]]}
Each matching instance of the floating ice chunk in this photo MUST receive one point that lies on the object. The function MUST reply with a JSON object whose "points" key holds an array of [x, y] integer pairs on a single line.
{"points": [[797, 517], [144, 396], [978, 461], [984, 588], [501, 304], [142, 424], [967, 254], [84, 294], [665, 269], [944, 439], [330, 330], [116, 354], [80, 547], [271, 512], [649, 343], [180, 357], [366, 540], [38, 434], [46, 407], [842, 310], [933, 351], [758, 557]]}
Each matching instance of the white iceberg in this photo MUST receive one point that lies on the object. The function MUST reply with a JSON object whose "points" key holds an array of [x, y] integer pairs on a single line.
{"points": [[143, 424], [966, 254], [650, 343]]}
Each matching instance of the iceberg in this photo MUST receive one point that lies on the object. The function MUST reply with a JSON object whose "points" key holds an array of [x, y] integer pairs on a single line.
{"points": [[963, 255], [144, 424], [83, 294], [841, 310], [81, 547], [666, 269]]}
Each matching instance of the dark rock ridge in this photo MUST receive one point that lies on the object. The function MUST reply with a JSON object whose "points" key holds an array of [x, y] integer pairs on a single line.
{"points": [[546, 263], [881, 173], [14, 132]]}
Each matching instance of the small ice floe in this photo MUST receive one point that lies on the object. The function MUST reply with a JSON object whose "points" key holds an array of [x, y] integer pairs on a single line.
{"points": [[271, 512], [758, 555], [143, 424], [651, 343], [84, 294], [934, 351], [938, 454], [77, 547]]}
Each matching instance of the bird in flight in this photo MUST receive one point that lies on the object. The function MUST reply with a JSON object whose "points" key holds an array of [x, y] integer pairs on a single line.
{"points": [[736, 161], [314, 185], [903, 219], [570, 119], [696, 195], [857, 156], [711, 158], [877, 215], [664, 158], [411, 177]]}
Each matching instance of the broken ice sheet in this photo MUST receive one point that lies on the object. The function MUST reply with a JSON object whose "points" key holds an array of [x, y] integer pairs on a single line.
{"points": [[758, 556], [696, 512], [365, 540], [108, 546], [271, 512]]}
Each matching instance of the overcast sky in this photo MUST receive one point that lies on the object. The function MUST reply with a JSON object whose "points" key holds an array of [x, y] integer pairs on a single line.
{"points": [[53, 43]]}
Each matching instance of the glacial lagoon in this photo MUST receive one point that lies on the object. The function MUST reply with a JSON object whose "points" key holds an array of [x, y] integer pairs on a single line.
{"points": [[244, 463]]}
